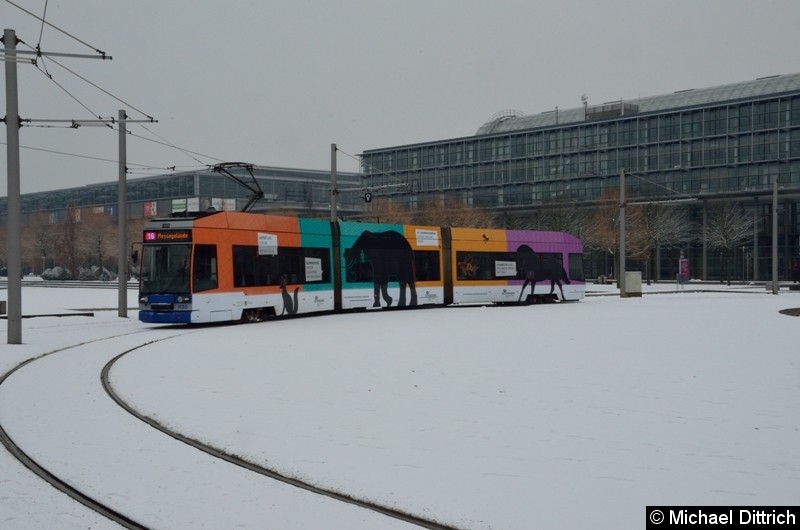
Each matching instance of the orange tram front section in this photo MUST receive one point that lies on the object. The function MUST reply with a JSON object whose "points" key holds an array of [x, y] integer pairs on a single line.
{"points": [[231, 266]]}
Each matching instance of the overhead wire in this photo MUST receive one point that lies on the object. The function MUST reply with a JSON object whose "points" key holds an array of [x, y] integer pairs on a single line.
{"points": [[361, 162], [87, 157], [640, 177], [39, 43], [176, 147], [43, 69], [49, 76], [184, 151], [73, 37], [103, 90], [164, 142], [375, 171], [67, 92], [48, 126], [41, 28]]}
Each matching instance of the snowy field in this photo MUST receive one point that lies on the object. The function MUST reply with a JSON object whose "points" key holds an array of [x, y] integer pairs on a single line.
{"points": [[564, 416]]}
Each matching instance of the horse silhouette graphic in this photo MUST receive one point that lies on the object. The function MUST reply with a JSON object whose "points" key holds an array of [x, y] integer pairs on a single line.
{"points": [[535, 268]]}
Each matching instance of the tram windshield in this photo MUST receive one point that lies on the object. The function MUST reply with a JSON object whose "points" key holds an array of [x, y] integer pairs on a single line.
{"points": [[165, 268]]}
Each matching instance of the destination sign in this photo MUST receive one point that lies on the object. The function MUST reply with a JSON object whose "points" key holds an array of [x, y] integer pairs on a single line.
{"points": [[167, 236]]}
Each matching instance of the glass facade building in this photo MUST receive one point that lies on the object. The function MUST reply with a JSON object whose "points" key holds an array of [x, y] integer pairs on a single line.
{"points": [[307, 192], [713, 144]]}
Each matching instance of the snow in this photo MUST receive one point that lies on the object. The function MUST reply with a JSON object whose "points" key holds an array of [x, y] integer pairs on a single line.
{"points": [[565, 416]]}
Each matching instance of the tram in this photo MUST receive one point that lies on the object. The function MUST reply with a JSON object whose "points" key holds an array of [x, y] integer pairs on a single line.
{"points": [[236, 266]]}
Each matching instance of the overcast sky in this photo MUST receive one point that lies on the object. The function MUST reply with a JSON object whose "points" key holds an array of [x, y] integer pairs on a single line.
{"points": [[275, 83]]}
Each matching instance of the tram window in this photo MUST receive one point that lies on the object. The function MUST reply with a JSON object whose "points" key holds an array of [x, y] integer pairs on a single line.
{"points": [[316, 265], [205, 267], [576, 267], [426, 265], [558, 257], [293, 264], [165, 268], [244, 265], [304, 265], [485, 265], [358, 268], [553, 256]]}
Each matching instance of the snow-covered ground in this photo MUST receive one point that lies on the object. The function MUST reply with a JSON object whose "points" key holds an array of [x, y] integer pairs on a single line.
{"points": [[566, 416]]}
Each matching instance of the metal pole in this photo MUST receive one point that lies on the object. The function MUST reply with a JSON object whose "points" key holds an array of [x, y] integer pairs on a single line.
{"points": [[775, 235], [14, 250], [333, 183], [122, 222], [755, 239], [705, 240], [621, 271]]}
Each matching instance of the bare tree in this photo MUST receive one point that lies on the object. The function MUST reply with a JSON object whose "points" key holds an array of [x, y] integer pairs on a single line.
{"points": [[67, 247], [660, 225], [601, 231], [135, 231], [98, 239], [571, 219], [454, 212], [39, 239], [385, 210], [727, 228], [449, 212]]}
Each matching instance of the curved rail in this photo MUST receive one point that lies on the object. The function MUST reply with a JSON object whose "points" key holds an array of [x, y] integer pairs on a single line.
{"points": [[126, 521], [50, 478], [250, 466]]}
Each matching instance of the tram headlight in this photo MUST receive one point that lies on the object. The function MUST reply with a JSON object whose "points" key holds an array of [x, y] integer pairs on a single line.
{"points": [[183, 299], [143, 300]]}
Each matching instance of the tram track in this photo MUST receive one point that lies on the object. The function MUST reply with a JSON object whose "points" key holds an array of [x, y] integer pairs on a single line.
{"points": [[236, 460], [46, 475], [128, 521]]}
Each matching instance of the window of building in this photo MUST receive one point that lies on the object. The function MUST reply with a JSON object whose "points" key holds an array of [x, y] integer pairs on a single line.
{"points": [[442, 179], [456, 154], [588, 137], [415, 159], [401, 158], [485, 175], [457, 177], [441, 155], [536, 144], [427, 156], [518, 171], [517, 146], [570, 139], [428, 180], [794, 143], [485, 148]]}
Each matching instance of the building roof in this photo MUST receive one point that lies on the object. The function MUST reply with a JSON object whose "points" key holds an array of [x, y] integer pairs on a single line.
{"points": [[777, 84]]}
